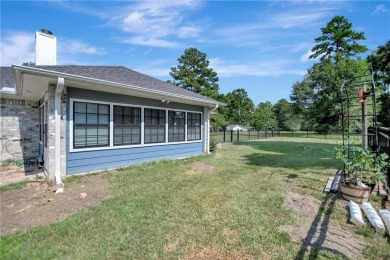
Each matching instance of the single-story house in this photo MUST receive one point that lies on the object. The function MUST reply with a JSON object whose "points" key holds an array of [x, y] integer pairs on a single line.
{"points": [[236, 127], [79, 119]]}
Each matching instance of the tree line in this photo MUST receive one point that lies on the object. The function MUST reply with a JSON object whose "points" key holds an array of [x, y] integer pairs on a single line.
{"points": [[314, 101]]}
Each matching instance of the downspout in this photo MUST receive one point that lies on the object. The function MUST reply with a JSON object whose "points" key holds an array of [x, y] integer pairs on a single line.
{"points": [[208, 127], [57, 113]]}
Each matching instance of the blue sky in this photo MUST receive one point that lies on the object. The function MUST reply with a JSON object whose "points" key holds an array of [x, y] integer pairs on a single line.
{"points": [[261, 46]]}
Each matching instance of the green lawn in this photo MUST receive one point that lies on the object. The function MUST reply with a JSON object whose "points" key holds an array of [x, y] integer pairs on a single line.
{"points": [[168, 210]]}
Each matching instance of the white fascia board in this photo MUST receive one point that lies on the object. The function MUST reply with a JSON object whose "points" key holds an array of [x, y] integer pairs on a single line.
{"points": [[6, 90], [112, 85]]}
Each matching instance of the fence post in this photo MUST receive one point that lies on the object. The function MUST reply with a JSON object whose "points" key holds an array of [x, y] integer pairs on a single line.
{"points": [[238, 135], [249, 131], [231, 136], [224, 135]]}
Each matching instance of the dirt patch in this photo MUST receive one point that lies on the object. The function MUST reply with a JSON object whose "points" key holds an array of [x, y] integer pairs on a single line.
{"points": [[11, 174], [213, 252], [316, 229], [230, 235], [35, 205], [202, 168]]}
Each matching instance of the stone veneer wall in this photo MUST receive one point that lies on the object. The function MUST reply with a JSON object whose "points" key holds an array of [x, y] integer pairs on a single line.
{"points": [[50, 164], [19, 129]]}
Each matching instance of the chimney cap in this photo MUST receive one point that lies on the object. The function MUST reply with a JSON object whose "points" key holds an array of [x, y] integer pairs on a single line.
{"points": [[46, 31]]}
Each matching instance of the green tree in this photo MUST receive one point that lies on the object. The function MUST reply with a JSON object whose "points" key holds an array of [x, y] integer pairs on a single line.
{"points": [[380, 63], [338, 39], [384, 113], [302, 97], [264, 117], [317, 97], [219, 118], [240, 107], [193, 73], [30, 63], [285, 116]]}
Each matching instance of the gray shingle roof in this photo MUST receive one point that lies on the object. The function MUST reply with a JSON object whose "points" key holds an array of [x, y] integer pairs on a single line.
{"points": [[125, 76]]}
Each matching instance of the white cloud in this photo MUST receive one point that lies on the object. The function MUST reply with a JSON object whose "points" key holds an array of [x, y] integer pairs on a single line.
{"points": [[66, 46], [265, 68], [189, 31], [151, 23], [16, 48], [381, 9], [305, 57], [301, 17], [140, 40]]}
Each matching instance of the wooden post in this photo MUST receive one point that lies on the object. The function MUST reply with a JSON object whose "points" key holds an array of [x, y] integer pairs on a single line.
{"points": [[364, 126], [238, 135], [231, 135], [224, 135]]}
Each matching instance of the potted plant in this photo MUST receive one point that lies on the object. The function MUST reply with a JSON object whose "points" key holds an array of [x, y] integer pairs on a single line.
{"points": [[355, 160]]}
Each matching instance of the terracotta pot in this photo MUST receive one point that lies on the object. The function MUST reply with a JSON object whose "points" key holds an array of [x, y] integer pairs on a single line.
{"points": [[355, 193]]}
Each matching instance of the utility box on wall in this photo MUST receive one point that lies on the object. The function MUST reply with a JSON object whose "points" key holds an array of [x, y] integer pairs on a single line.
{"points": [[45, 48]]}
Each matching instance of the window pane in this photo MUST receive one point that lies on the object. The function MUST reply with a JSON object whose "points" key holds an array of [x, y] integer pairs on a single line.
{"points": [[124, 120], [92, 108], [92, 119], [118, 110], [104, 109], [136, 139], [118, 140], [80, 118], [79, 136], [80, 107], [118, 119], [117, 131], [91, 124], [103, 119]]}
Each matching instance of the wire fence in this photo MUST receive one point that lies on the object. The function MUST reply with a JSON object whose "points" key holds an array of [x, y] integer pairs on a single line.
{"points": [[383, 145], [232, 136]]}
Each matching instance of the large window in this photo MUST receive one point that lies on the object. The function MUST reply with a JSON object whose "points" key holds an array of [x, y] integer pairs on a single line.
{"points": [[91, 125], [193, 126], [127, 125], [100, 125], [176, 126], [154, 125]]}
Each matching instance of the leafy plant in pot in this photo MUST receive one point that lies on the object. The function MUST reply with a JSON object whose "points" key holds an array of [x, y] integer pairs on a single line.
{"points": [[361, 166]]}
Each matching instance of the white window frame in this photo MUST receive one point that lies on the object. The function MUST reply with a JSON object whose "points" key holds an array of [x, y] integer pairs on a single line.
{"points": [[111, 126]]}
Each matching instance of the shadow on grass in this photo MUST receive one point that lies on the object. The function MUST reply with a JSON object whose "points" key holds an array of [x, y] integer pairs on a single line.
{"points": [[291, 155], [314, 240]]}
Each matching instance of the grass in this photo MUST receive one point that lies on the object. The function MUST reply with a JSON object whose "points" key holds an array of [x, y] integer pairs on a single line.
{"points": [[13, 186], [168, 210]]}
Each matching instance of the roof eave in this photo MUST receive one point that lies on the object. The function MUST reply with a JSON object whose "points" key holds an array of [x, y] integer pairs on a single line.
{"points": [[38, 71]]}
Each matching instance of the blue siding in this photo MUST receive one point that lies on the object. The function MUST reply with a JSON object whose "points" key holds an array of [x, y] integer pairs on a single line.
{"points": [[87, 161], [81, 162]]}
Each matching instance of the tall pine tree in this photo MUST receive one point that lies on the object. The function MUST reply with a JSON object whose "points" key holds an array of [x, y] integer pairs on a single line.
{"points": [[193, 73]]}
